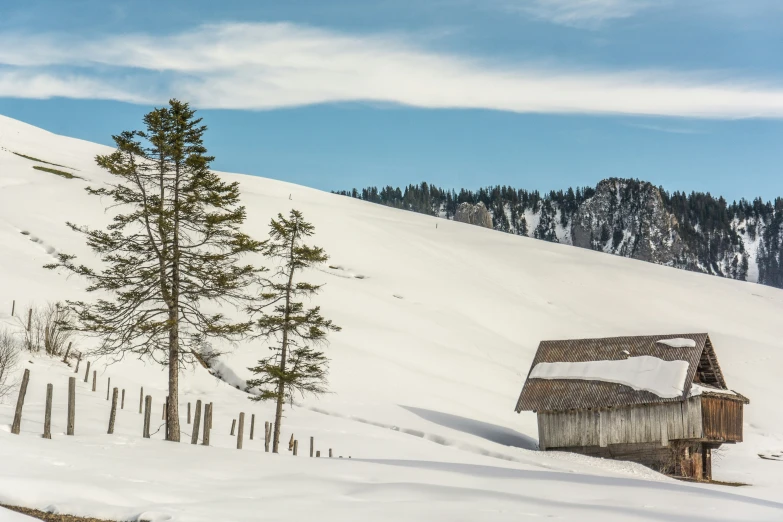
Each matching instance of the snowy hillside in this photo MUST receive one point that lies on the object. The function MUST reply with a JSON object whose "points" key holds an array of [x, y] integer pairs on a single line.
{"points": [[440, 326]]}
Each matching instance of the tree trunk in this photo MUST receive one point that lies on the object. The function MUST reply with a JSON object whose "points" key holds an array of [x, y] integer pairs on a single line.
{"points": [[172, 417], [284, 350], [172, 413]]}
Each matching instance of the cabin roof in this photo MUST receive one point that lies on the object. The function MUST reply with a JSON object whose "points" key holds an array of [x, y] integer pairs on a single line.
{"points": [[554, 394]]}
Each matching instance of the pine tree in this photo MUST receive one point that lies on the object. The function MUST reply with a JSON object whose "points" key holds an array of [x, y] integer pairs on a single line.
{"points": [[177, 246], [294, 367]]}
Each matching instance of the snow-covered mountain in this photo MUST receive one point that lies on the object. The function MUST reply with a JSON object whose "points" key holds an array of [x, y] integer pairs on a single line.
{"points": [[626, 217], [440, 324]]}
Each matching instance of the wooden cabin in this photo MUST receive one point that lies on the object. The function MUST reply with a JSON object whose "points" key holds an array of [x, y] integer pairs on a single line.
{"points": [[659, 400]]}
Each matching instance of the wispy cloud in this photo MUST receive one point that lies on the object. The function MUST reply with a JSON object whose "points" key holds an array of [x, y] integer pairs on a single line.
{"points": [[16, 83], [665, 128], [579, 12], [261, 66]]}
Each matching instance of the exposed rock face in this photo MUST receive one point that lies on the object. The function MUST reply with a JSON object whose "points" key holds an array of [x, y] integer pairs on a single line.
{"points": [[473, 214], [628, 220]]}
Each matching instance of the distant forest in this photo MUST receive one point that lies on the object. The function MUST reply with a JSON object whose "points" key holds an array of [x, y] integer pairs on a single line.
{"points": [[703, 219]]}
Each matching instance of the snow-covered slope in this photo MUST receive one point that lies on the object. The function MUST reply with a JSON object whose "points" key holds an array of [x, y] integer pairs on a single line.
{"points": [[439, 328]]}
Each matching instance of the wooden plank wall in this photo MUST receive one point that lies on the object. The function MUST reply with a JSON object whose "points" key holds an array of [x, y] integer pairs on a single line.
{"points": [[722, 419], [631, 425]]}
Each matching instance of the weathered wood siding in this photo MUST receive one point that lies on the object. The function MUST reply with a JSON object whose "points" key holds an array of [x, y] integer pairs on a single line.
{"points": [[685, 459], [629, 425], [722, 419]]}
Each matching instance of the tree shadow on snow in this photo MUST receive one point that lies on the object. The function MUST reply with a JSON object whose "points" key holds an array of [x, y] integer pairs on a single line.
{"points": [[485, 430]]}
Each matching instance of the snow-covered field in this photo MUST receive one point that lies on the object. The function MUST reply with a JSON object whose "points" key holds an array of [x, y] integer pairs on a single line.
{"points": [[439, 328]]}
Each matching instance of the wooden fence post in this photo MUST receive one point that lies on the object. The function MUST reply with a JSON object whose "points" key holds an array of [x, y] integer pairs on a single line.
{"points": [[312, 446], [296, 447], [188, 412], [318, 454], [67, 351], [266, 436], [17, 425], [196, 422], [94, 379], [47, 434], [211, 411], [165, 415], [71, 404], [78, 362], [147, 412], [13, 307], [141, 398], [252, 424], [241, 429], [87, 373], [122, 403], [108, 387], [113, 414], [233, 425], [330, 453], [207, 422], [291, 443]]}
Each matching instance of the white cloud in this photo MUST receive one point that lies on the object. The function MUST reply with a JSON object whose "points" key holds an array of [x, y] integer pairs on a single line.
{"points": [[580, 12], [30, 84], [260, 66]]}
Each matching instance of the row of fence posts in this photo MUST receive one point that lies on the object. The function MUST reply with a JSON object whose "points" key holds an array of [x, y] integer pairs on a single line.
{"points": [[145, 402], [47, 434]]}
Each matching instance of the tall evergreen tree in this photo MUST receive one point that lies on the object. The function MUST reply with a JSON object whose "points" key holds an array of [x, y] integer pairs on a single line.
{"points": [[177, 245], [295, 366]]}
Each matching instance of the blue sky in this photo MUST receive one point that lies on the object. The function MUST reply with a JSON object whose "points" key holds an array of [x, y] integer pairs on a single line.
{"points": [[539, 94]]}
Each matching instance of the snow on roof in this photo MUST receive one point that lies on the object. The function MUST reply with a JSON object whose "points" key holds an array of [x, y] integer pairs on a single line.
{"points": [[698, 389], [663, 378], [678, 342]]}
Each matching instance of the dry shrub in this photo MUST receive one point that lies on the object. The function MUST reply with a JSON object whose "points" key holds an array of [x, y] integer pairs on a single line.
{"points": [[47, 329], [9, 355]]}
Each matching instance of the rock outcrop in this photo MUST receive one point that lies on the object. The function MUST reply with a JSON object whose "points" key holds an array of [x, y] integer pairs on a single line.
{"points": [[474, 214], [628, 219]]}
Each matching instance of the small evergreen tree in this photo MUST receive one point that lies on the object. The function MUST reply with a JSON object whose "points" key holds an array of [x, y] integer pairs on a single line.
{"points": [[295, 366], [177, 246]]}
